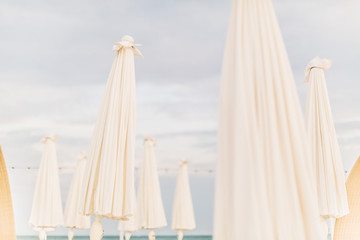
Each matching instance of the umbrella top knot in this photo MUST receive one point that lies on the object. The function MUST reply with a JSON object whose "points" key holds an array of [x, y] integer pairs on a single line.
{"points": [[150, 140], [127, 38], [52, 137], [82, 156], [319, 63], [127, 42], [184, 162]]}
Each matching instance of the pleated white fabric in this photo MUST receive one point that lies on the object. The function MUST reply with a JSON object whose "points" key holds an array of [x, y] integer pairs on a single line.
{"points": [[72, 217], [325, 151], [183, 218], [109, 178], [129, 225], [149, 203], [265, 186], [47, 212]]}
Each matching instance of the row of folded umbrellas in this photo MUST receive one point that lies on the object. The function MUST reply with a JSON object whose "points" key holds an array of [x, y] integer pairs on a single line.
{"points": [[47, 212], [108, 187], [272, 172]]}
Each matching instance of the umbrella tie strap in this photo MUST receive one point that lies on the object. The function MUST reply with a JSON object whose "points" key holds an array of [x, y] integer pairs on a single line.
{"points": [[319, 63], [127, 42], [51, 137]]}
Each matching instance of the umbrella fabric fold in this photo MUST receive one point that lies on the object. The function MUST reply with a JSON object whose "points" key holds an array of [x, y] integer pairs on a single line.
{"points": [[128, 226], [73, 218], [109, 178], [7, 222], [265, 186], [150, 208], [183, 218], [324, 147], [47, 212]]}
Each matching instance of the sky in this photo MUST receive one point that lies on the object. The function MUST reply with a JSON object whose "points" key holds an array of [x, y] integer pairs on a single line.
{"points": [[55, 57]]}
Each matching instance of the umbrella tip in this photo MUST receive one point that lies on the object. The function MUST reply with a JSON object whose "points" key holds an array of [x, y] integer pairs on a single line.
{"points": [[150, 139], [184, 162], [127, 38], [52, 137], [82, 156]]}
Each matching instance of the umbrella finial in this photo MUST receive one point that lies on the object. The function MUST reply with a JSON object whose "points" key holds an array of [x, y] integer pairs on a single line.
{"points": [[184, 162], [127, 38], [150, 139], [127, 42], [82, 156], [317, 62], [52, 137]]}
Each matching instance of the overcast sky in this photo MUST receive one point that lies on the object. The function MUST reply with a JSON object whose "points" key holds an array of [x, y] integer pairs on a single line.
{"points": [[55, 57]]}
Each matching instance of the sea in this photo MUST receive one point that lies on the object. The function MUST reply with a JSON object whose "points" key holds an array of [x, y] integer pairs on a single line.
{"points": [[116, 238]]}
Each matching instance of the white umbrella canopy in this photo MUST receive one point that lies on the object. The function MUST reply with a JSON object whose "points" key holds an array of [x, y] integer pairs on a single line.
{"points": [[324, 147], [109, 179], [183, 218], [265, 186], [73, 218], [47, 212], [150, 208]]}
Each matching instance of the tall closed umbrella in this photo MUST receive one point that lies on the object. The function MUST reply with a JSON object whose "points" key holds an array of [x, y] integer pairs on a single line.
{"points": [[183, 218], [265, 186], [73, 218], [150, 205], [109, 178], [47, 212], [7, 223], [325, 151]]}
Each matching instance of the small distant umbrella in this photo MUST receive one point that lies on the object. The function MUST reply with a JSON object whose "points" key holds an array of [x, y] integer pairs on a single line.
{"points": [[265, 186], [109, 178], [7, 223], [47, 212], [128, 226], [150, 205], [73, 218], [183, 212], [325, 151]]}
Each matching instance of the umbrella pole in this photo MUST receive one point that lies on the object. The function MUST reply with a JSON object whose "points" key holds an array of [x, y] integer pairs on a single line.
{"points": [[127, 235], [121, 235], [96, 230], [42, 234], [180, 235], [151, 235], [71, 234]]}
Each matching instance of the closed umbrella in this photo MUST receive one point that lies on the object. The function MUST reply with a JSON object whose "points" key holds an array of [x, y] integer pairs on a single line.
{"points": [[183, 211], [265, 186], [7, 223], [73, 218], [109, 178], [150, 205], [47, 212], [325, 151]]}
